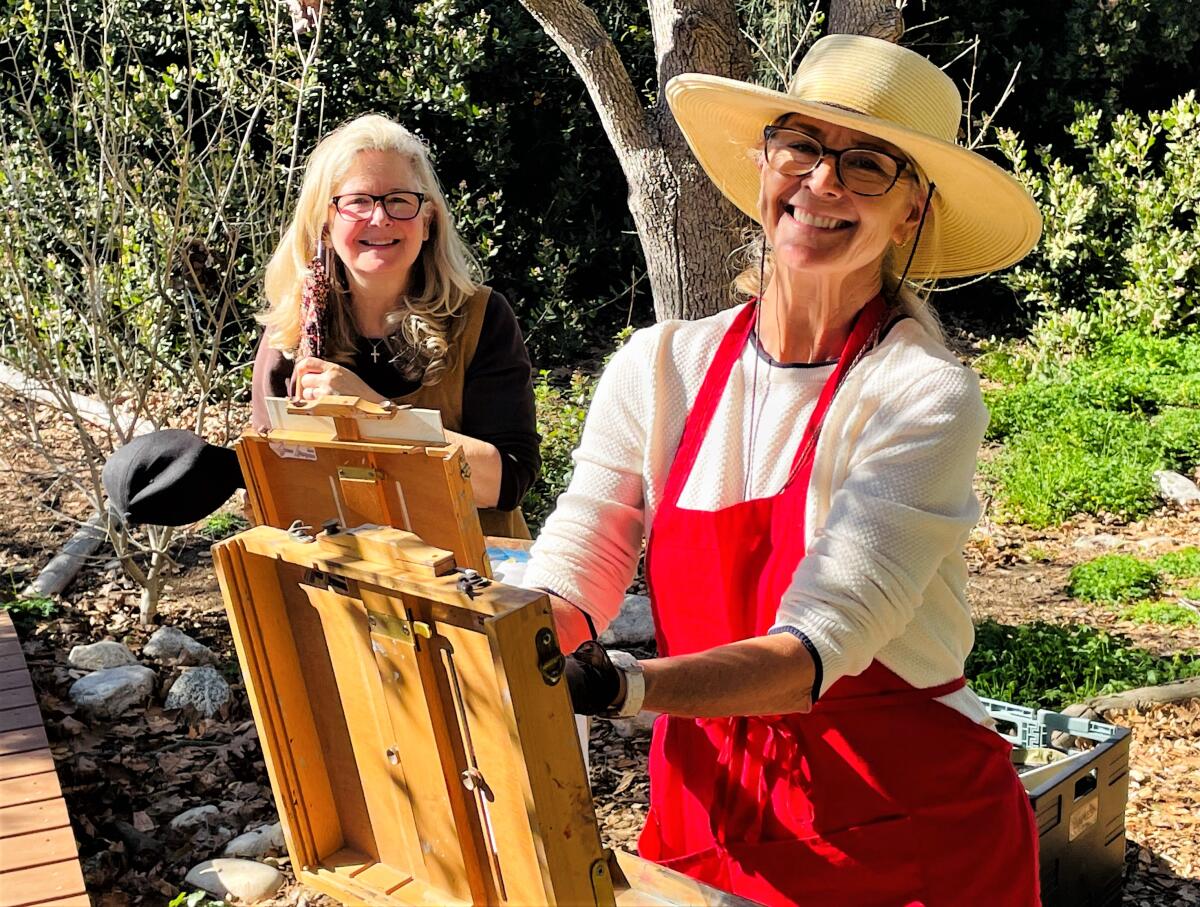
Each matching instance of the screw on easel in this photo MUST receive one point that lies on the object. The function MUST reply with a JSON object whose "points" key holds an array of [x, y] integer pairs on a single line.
{"points": [[393, 755], [331, 527]]}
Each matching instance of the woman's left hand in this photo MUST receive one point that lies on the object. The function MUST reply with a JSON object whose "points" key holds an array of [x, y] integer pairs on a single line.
{"points": [[314, 378]]}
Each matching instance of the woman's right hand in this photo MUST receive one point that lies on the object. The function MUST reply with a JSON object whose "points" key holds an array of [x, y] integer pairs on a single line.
{"points": [[314, 378]]}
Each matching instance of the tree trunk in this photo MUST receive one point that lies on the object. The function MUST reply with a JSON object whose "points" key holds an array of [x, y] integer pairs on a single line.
{"points": [[874, 18], [687, 229]]}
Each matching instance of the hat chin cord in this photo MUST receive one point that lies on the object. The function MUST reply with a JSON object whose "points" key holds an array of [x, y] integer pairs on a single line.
{"points": [[916, 239]]}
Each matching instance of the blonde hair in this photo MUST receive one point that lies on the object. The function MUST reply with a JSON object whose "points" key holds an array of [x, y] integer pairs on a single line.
{"points": [[443, 278], [756, 260]]}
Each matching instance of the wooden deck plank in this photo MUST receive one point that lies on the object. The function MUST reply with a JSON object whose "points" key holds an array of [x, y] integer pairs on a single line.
{"points": [[18, 719], [36, 848], [21, 697], [23, 740], [25, 817], [39, 860], [33, 762], [33, 787], [39, 884], [15, 680]]}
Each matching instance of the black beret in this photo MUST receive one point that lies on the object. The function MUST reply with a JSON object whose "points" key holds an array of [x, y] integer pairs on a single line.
{"points": [[170, 478]]}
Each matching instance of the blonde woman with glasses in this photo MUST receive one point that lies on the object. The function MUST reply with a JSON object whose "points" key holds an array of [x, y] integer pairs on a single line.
{"points": [[372, 293]]}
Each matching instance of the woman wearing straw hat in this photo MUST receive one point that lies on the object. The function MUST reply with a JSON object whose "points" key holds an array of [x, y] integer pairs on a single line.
{"points": [[801, 466]]}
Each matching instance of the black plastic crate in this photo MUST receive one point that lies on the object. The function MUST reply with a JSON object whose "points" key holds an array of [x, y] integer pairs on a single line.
{"points": [[1078, 794]]}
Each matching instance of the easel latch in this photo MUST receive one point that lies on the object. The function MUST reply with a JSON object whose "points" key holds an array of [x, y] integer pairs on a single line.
{"points": [[551, 663]]}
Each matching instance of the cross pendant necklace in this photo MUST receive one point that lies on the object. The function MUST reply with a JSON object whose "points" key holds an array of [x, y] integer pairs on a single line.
{"points": [[374, 350]]}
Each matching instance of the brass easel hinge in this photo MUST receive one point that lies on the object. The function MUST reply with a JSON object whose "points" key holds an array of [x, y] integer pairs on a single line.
{"points": [[358, 474], [602, 883], [391, 626]]}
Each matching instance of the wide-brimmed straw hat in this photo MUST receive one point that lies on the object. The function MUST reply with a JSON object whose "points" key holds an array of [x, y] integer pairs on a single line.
{"points": [[981, 219]]}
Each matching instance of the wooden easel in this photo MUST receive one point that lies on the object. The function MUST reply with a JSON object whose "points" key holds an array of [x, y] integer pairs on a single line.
{"points": [[413, 717], [315, 474]]}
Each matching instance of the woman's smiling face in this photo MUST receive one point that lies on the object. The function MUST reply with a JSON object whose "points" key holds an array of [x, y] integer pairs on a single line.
{"points": [[815, 224], [379, 246]]}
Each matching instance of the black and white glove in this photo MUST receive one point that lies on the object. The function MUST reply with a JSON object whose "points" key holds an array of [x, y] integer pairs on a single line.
{"points": [[592, 679]]}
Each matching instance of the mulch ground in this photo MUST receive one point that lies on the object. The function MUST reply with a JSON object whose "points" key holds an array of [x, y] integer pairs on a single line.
{"points": [[124, 780]]}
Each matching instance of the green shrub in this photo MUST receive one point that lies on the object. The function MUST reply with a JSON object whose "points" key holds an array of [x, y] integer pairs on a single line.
{"points": [[1160, 612], [1052, 666], [1120, 247], [1004, 364], [1114, 578], [1181, 564], [561, 412]]}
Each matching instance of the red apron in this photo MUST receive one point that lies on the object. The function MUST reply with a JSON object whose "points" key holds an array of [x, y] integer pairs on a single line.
{"points": [[879, 795]]}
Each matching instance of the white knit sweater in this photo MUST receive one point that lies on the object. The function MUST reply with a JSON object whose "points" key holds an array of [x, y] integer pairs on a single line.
{"points": [[889, 506]]}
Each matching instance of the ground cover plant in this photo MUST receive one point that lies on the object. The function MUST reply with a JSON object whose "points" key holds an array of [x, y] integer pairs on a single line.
{"points": [[1114, 578], [1085, 435], [1046, 665], [1121, 579]]}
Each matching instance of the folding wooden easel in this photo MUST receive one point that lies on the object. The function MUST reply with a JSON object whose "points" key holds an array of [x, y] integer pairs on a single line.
{"points": [[412, 712]]}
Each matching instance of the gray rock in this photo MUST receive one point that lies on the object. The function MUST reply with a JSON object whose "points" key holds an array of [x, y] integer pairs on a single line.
{"points": [[195, 818], [171, 645], [633, 626], [202, 690], [258, 842], [232, 878], [1176, 489], [110, 692], [1099, 540], [99, 655]]}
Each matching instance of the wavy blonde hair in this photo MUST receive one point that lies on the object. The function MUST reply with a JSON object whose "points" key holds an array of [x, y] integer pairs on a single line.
{"points": [[422, 332]]}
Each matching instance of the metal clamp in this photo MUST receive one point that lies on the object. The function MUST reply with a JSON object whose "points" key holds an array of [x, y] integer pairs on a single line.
{"points": [[300, 532], [471, 581]]}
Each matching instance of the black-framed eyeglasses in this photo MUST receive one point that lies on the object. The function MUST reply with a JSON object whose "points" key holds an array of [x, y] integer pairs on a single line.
{"points": [[864, 171], [396, 205]]}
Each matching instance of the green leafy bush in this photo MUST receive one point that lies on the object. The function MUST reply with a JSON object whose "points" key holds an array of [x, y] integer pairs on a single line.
{"points": [[1114, 578], [1181, 564], [1160, 612], [561, 412], [1043, 665], [1120, 248]]}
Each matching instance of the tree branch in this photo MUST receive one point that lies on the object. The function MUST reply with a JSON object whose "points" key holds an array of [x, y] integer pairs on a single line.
{"points": [[575, 29]]}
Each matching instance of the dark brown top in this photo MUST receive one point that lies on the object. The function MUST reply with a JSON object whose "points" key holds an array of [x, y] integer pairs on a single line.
{"points": [[486, 393]]}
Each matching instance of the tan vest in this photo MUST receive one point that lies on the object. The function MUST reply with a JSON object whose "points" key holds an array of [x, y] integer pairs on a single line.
{"points": [[446, 397]]}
